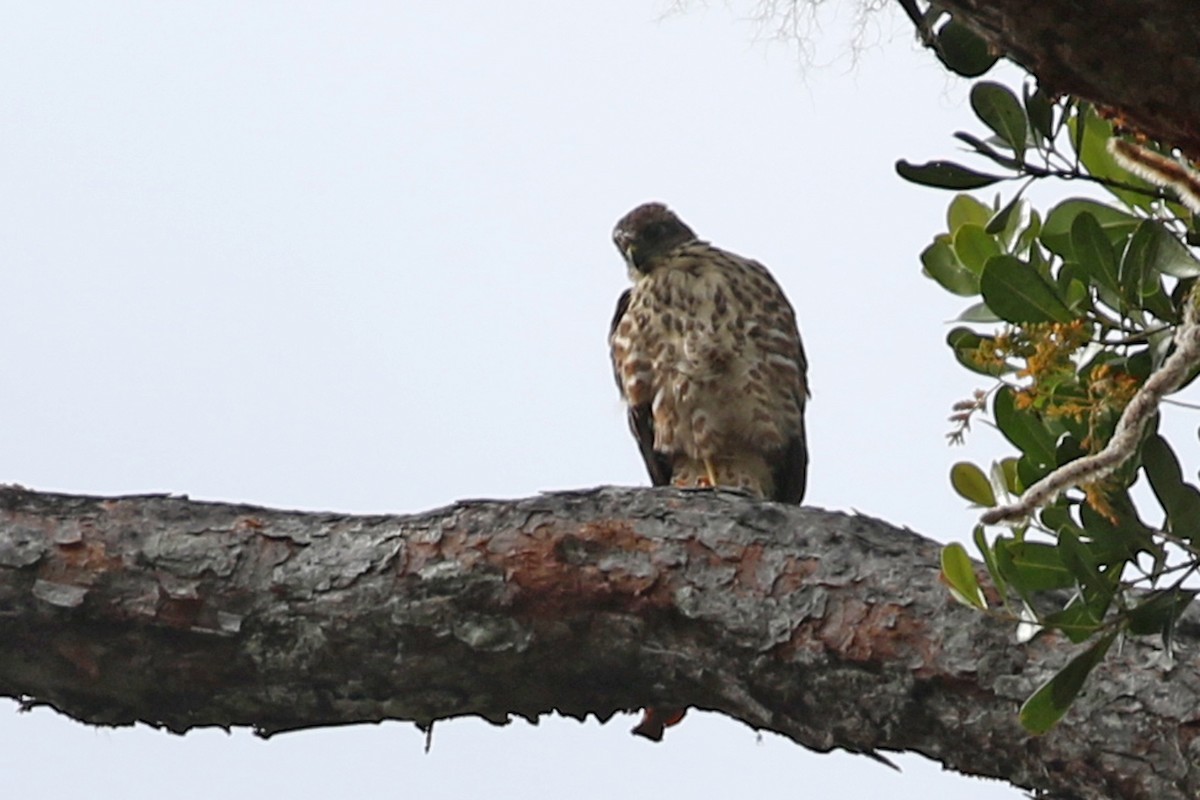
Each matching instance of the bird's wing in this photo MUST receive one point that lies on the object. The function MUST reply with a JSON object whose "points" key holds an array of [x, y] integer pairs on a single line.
{"points": [[641, 417], [618, 315], [789, 468], [641, 423], [789, 465]]}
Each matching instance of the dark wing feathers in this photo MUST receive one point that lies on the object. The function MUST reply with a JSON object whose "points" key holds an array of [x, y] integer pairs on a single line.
{"points": [[622, 307], [790, 470], [641, 422], [641, 418]]}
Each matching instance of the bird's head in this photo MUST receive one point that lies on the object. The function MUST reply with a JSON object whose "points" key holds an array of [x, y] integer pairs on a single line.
{"points": [[647, 233]]}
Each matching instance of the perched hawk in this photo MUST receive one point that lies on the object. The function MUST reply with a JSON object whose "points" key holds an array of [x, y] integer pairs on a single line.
{"points": [[709, 361]]}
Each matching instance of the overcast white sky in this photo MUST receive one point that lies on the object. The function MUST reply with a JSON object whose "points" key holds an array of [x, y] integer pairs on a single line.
{"points": [[356, 256]]}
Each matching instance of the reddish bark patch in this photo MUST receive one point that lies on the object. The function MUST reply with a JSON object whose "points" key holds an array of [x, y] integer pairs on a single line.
{"points": [[598, 566], [864, 633], [80, 563], [878, 632], [747, 568], [698, 550], [434, 546], [1188, 732], [616, 534], [795, 575]]}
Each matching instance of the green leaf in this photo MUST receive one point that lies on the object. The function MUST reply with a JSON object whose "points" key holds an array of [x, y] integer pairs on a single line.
{"points": [[1032, 566], [963, 51], [1119, 541], [1138, 274], [974, 247], [1047, 705], [1017, 293], [1024, 428], [1069, 271], [1140, 365], [1027, 239], [1077, 131], [945, 175], [1164, 252], [1040, 112], [959, 573], [966, 343], [971, 484], [1098, 588], [1076, 620], [986, 150], [1180, 500], [1093, 252], [941, 264], [1030, 471], [1004, 220], [1068, 450], [1174, 258], [965, 209], [1056, 515], [1076, 296], [1004, 473], [1039, 260], [999, 109], [1159, 304], [1094, 155], [977, 312], [1056, 233], [989, 559], [1003, 560], [1158, 612]]}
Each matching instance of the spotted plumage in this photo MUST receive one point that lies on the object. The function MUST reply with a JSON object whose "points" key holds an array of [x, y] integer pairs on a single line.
{"points": [[708, 358]]}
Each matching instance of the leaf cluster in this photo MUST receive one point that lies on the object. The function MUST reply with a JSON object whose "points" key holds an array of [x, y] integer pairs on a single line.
{"points": [[1070, 312]]}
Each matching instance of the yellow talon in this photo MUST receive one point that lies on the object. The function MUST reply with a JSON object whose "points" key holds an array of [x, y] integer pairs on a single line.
{"points": [[711, 469]]}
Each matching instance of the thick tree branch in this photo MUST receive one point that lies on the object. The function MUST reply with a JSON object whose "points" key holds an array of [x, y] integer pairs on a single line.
{"points": [[1138, 57], [833, 630]]}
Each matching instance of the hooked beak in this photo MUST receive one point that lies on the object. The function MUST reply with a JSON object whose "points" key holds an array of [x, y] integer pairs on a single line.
{"points": [[625, 244]]}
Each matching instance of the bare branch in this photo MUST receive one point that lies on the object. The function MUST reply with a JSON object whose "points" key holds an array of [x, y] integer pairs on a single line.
{"points": [[1134, 56]]}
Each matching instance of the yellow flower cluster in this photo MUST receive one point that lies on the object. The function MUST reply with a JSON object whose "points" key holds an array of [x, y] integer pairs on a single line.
{"points": [[1050, 347], [1045, 354], [1046, 358], [1108, 391]]}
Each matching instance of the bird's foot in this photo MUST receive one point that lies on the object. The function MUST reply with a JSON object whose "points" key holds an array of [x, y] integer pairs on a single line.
{"points": [[702, 486], [656, 720], [710, 470]]}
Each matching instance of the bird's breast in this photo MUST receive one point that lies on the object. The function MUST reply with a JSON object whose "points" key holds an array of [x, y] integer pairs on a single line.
{"points": [[709, 345]]}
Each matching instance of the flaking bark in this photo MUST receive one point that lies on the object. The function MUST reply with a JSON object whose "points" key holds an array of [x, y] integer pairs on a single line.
{"points": [[1140, 58], [831, 629]]}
